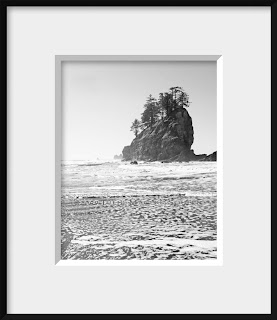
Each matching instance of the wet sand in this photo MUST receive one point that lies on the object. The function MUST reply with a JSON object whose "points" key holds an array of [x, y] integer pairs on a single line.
{"points": [[169, 216]]}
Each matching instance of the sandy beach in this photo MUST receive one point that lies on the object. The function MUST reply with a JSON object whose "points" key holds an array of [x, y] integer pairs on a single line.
{"points": [[115, 210]]}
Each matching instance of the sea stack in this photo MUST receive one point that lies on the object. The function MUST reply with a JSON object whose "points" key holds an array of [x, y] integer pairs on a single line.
{"points": [[168, 139]]}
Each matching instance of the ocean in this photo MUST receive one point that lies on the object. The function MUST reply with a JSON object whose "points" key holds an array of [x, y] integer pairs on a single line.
{"points": [[152, 210]]}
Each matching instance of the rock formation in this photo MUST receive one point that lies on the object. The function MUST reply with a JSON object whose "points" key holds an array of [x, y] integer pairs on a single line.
{"points": [[116, 157], [168, 140], [211, 157]]}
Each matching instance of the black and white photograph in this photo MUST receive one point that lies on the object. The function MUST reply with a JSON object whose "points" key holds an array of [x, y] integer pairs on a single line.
{"points": [[139, 169]]}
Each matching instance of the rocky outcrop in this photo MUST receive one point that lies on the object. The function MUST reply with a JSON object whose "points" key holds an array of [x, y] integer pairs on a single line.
{"points": [[167, 140], [204, 157], [116, 157], [211, 157]]}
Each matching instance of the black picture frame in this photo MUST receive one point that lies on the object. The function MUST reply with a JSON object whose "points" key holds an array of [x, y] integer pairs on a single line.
{"points": [[3, 133]]}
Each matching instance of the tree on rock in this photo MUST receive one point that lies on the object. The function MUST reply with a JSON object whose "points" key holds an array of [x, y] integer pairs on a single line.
{"points": [[168, 104], [150, 113], [182, 98], [177, 99], [135, 127], [162, 107]]}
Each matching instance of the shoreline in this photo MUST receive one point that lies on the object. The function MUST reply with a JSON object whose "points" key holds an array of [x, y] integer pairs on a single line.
{"points": [[172, 230]]}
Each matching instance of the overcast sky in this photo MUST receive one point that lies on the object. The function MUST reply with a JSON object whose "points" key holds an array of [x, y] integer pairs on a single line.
{"points": [[101, 99]]}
